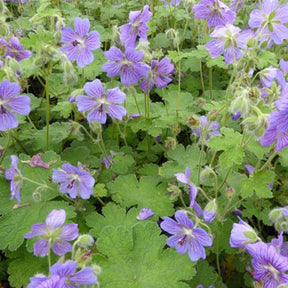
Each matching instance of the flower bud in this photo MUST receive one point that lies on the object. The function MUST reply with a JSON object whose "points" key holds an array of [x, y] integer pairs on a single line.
{"points": [[97, 269], [170, 142], [37, 195], [229, 192], [275, 214], [242, 234], [85, 241], [174, 191], [207, 174], [241, 103], [210, 211]]}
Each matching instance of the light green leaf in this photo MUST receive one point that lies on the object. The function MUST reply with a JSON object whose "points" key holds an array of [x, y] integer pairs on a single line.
{"points": [[258, 183], [16, 223], [229, 143], [135, 258], [113, 215], [147, 192]]}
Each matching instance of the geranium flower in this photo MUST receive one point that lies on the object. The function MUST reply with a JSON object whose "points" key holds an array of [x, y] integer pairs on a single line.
{"points": [[80, 42], [160, 70], [145, 213], [269, 21], [14, 175], [99, 103], [16, 50], [229, 41], [127, 65], [186, 236], [242, 234], [64, 275], [171, 2], [52, 234], [74, 181], [11, 102], [215, 11], [136, 27], [270, 267]]}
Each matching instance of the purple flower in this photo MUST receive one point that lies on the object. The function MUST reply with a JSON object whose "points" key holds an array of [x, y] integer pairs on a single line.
{"points": [[22, 1], [159, 74], [67, 271], [171, 2], [184, 178], [242, 234], [145, 213], [53, 235], [269, 265], [126, 65], [282, 73], [207, 129], [267, 76], [63, 276], [74, 181], [136, 27], [36, 161], [186, 236], [42, 281], [15, 50], [236, 5], [229, 41], [99, 103], [282, 247], [14, 175], [277, 130], [80, 42], [210, 211], [216, 12], [270, 20], [10, 102], [236, 115], [201, 286]]}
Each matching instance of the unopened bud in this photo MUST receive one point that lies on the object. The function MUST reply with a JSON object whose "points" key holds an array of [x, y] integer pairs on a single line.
{"points": [[210, 211], [170, 143], [241, 103], [85, 241], [37, 195], [97, 269], [229, 192], [174, 191], [207, 174]]}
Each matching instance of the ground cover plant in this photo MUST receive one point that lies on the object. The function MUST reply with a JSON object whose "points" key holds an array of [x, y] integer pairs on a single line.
{"points": [[143, 143]]}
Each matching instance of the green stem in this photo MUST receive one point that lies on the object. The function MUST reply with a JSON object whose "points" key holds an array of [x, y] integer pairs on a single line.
{"points": [[201, 78], [210, 82], [269, 160]]}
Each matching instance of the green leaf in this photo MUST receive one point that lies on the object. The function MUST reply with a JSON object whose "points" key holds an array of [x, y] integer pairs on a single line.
{"points": [[24, 266], [258, 183], [15, 224], [100, 190], [229, 143], [121, 163], [206, 275], [283, 157], [113, 215], [258, 150], [147, 192], [135, 258], [179, 159]]}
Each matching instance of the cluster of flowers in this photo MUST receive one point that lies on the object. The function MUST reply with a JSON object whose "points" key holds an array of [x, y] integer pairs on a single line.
{"points": [[128, 64], [186, 234], [269, 260], [53, 235]]}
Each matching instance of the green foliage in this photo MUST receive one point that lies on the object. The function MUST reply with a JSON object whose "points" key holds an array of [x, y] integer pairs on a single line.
{"points": [[113, 215], [23, 265], [258, 183], [179, 159], [18, 221], [230, 144], [147, 192], [135, 258]]}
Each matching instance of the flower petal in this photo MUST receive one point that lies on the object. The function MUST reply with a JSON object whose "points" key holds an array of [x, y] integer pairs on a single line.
{"points": [[55, 219], [81, 26]]}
